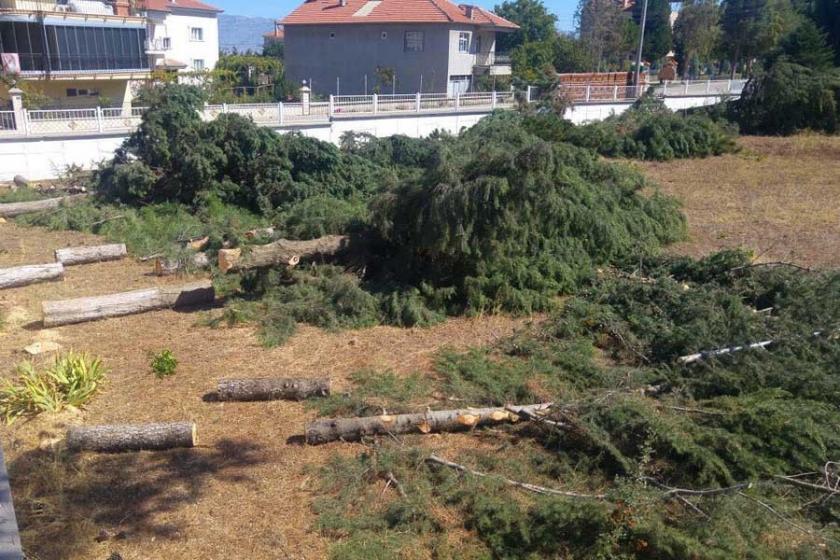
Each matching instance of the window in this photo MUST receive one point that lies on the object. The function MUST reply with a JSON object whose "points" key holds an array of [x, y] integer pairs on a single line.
{"points": [[198, 64], [167, 43], [72, 92], [82, 92], [414, 41], [464, 42], [196, 34], [478, 44]]}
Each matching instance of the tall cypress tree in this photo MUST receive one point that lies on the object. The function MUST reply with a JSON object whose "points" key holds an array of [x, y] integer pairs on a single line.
{"points": [[658, 40], [827, 15]]}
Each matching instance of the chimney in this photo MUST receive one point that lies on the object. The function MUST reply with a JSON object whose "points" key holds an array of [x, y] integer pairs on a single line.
{"points": [[343, 3], [468, 10], [122, 8]]}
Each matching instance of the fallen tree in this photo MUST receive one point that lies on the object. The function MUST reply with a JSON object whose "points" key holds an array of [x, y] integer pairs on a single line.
{"points": [[84, 255], [351, 429], [282, 252], [272, 389], [13, 209], [80, 310], [117, 438], [30, 274]]}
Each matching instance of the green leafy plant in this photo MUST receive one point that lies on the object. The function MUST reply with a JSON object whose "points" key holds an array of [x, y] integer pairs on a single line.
{"points": [[72, 380], [164, 364]]}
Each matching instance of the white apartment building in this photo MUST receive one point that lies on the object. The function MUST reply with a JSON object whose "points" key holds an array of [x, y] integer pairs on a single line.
{"points": [[183, 35]]}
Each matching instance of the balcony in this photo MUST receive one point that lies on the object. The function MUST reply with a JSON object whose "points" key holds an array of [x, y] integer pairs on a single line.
{"points": [[159, 45], [492, 63]]}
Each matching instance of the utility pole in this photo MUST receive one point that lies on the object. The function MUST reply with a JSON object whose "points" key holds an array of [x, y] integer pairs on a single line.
{"points": [[641, 46]]}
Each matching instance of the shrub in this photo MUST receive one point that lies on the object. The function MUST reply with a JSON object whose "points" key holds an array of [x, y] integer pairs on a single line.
{"points": [[164, 364], [647, 131], [71, 381]]}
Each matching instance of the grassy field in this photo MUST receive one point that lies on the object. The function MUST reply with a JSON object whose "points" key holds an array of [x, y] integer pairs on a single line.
{"points": [[247, 490]]}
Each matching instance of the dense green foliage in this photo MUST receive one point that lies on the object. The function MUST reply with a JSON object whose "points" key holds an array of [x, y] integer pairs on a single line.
{"points": [[649, 130], [657, 40], [632, 418], [164, 364]]}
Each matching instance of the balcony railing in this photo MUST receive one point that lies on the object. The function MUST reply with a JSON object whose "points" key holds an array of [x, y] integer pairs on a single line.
{"points": [[492, 59], [159, 45]]}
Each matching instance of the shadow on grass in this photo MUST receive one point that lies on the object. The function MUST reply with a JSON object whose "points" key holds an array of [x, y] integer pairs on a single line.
{"points": [[65, 502]]}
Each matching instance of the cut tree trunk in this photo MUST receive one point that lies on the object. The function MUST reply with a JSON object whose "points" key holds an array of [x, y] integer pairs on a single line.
{"points": [[282, 252], [352, 429], [80, 310], [85, 255], [12, 209], [272, 389], [168, 267], [117, 438], [259, 232], [30, 274]]}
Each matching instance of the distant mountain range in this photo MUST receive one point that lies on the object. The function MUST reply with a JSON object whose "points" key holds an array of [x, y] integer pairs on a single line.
{"points": [[242, 32]]}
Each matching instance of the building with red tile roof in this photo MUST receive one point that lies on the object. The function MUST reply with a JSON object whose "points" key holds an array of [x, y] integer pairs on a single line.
{"points": [[392, 46]]}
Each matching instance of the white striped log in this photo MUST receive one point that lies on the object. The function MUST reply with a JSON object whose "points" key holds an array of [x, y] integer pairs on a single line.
{"points": [[30, 274], [84, 255], [81, 310]]}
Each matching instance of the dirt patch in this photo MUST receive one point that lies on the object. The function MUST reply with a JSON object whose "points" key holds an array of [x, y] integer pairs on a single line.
{"points": [[779, 197], [245, 491]]}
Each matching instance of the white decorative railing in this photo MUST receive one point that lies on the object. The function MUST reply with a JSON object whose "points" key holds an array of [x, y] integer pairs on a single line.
{"points": [[71, 122]]}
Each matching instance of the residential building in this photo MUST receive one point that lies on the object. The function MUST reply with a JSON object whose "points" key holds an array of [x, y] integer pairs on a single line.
{"points": [[277, 36], [183, 35], [78, 53], [392, 46]]}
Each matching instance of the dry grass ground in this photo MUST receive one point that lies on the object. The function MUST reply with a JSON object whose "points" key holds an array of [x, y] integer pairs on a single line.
{"points": [[779, 197], [247, 490]]}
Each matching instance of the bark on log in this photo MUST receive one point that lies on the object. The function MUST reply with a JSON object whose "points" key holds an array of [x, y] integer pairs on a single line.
{"points": [[351, 429], [30, 274], [12, 209], [117, 438], [84, 255], [80, 310], [282, 252], [168, 267], [272, 389]]}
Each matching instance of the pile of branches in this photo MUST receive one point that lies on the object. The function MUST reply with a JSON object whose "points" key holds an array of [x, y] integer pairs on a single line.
{"points": [[645, 453]]}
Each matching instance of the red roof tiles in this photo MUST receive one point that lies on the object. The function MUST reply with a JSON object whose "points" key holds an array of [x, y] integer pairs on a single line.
{"points": [[392, 11], [168, 5]]}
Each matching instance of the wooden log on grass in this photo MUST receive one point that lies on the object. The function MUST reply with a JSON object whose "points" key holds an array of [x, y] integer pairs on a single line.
{"points": [[84, 255], [282, 252], [352, 429], [30, 274], [13, 209], [80, 310], [141, 437], [272, 389], [169, 267]]}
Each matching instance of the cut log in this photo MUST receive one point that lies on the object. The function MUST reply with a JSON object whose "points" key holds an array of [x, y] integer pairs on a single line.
{"points": [[282, 252], [352, 429], [30, 274], [117, 438], [272, 389], [260, 232], [12, 209], [80, 310], [85, 255], [168, 267]]}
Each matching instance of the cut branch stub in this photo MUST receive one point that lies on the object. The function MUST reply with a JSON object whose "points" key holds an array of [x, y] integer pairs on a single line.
{"points": [[118, 438], [272, 389], [351, 429]]}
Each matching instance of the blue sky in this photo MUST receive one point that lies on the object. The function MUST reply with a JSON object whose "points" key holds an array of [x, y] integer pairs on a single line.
{"points": [[563, 9]]}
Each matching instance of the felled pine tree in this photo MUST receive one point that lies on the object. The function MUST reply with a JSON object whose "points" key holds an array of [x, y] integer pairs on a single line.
{"points": [[510, 220]]}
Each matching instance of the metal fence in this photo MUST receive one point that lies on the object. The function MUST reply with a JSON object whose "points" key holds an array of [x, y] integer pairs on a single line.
{"points": [[56, 122]]}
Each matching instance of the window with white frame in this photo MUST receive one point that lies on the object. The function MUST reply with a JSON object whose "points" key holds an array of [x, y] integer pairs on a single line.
{"points": [[464, 42], [414, 41], [196, 34], [198, 64], [167, 43]]}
